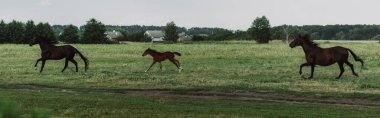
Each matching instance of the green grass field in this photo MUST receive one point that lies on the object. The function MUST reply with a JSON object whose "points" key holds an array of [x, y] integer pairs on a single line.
{"points": [[234, 66]]}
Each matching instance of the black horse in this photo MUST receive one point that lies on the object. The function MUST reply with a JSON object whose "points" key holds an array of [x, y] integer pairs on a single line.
{"points": [[51, 52], [316, 55]]}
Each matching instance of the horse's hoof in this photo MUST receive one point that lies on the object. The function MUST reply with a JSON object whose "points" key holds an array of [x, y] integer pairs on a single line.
{"points": [[303, 77], [356, 75], [300, 73]]}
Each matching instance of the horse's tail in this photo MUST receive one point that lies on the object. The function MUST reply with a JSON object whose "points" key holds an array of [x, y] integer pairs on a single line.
{"points": [[357, 58], [85, 60], [177, 53]]}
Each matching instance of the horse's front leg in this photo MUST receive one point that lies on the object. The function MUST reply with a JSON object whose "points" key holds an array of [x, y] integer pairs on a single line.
{"points": [[160, 66], [150, 66], [312, 71], [38, 60], [302, 65]]}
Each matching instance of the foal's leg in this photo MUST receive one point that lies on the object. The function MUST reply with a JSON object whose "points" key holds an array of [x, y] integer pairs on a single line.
{"points": [[175, 63], [312, 71], [160, 66], [66, 62], [43, 65], [302, 65], [75, 63], [38, 60], [341, 69], [154, 62], [180, 67], [352, 68]]}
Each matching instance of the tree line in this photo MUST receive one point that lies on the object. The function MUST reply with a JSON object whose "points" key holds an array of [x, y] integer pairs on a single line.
{"points": [[21, 33], [329, 32], [260, 30]]}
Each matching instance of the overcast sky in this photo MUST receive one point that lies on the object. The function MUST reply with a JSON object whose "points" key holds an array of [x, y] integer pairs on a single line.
{"points": [[231, 14]]}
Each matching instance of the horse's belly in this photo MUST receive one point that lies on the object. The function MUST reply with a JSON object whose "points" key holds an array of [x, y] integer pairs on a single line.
{"points": [[325, 61], [56, 57], [326, 64]]}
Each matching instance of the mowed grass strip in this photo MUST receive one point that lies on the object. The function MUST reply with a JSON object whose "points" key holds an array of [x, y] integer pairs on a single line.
{"points": [[73, 104], [223, 66]]}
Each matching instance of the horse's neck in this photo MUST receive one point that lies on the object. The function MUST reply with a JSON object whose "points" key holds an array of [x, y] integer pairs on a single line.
{"points": [[307, 48], [45, 46], [153, 54]]}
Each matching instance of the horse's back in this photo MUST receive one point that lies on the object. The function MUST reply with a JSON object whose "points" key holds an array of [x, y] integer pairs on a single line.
{"points": [[67, 50], [339, 50]]}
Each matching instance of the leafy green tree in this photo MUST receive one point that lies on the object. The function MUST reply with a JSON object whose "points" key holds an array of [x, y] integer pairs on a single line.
{"points": [[171, 33], [3, 35], [260, 30], [291, 32], [45, 32], [198, 38], [315, 35], [30, 31], [70, 34], [15, 32], [94, 32], [340, 36], [377, 37], [221, 35]]}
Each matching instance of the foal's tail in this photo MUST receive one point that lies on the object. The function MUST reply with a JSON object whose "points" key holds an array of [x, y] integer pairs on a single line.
{"points": [[85, 60], [357, 58], [177, 53]]}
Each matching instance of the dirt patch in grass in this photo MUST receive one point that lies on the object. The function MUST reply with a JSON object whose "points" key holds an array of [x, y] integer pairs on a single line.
{"points": [[202, 94]]}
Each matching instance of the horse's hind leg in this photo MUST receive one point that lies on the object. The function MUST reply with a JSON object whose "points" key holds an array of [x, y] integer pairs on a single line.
{"points": [[180, 67], [174, 61], [66, 63], [75, 63], [352, 68], [43, 65], [341, 69]]}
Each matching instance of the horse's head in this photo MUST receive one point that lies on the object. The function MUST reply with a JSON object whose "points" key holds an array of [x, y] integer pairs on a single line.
{"points": [[146, 52], [34, 41], [298, 41]]}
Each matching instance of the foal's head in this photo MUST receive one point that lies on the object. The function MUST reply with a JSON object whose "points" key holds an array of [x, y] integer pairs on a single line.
{"points": [[299, 40], [147, 51]]}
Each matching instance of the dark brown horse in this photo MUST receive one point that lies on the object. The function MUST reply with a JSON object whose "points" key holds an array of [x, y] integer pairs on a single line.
{"points": [[316, 55], [159, 57], [51, 52]]}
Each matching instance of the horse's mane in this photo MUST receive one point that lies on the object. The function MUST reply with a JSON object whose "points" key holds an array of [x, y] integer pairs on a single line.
{"points": [[155, 51], [47, 41], [309, 41]]}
